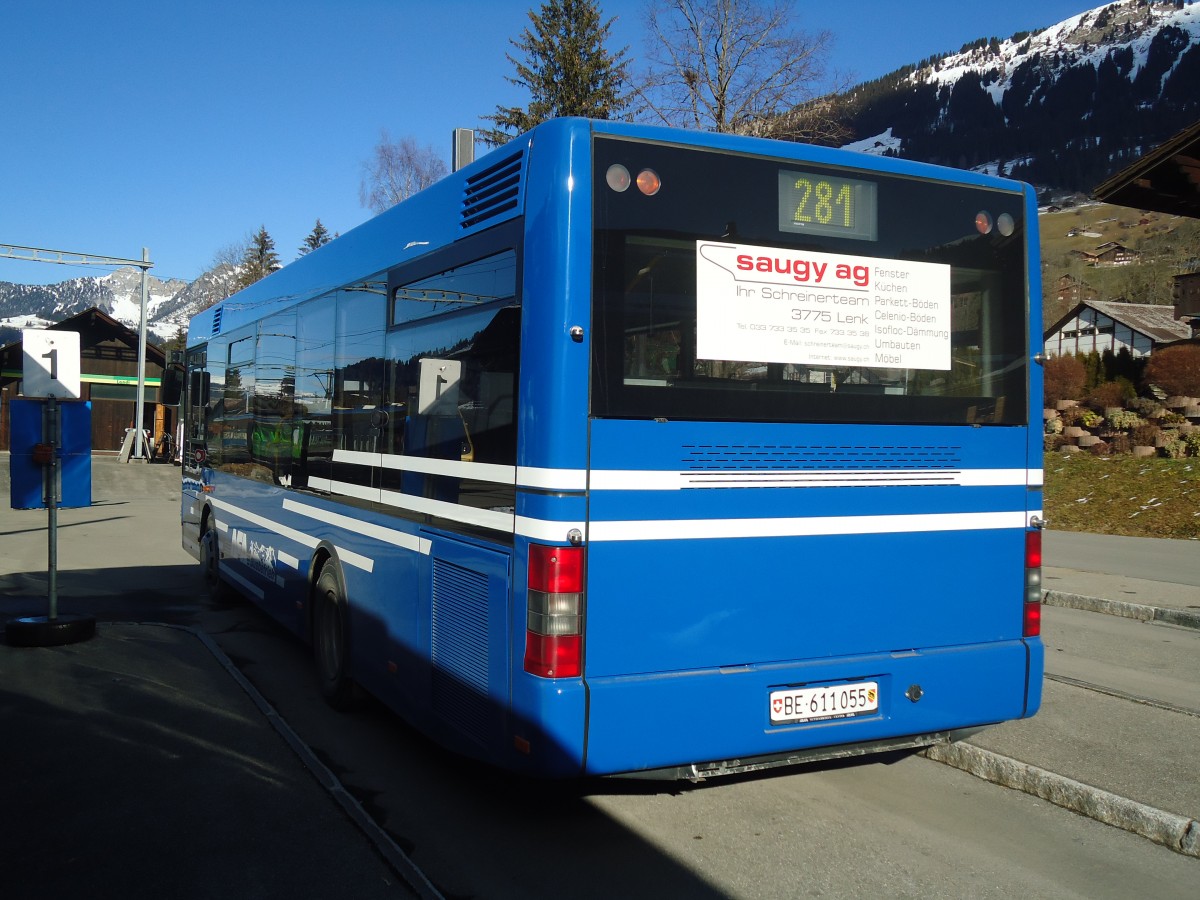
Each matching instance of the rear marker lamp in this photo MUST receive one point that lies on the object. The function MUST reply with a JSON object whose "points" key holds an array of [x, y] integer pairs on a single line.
{"points": [[554, 618], [648, 182], [1032, 618]]}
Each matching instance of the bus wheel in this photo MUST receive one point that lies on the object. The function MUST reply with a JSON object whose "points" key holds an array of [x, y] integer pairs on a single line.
{"points": [[210, 563], [330, 643]]}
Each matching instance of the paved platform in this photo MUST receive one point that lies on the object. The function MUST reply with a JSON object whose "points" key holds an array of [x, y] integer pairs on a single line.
{"points": [[140, 763], [136, 765]]}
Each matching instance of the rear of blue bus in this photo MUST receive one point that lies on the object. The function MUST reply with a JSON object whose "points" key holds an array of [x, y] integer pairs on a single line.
{"points": [[813, 491]]}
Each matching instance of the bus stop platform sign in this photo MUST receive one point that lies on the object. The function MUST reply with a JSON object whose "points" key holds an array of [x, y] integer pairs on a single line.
{"points": [[72, 446]]}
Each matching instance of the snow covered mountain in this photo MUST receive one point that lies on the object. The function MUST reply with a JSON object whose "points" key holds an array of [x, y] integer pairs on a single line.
{"points": [[1063, 107], [169, 303]]}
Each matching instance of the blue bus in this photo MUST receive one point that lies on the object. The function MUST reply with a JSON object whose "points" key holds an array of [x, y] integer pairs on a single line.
{"points": [[627, 450]]}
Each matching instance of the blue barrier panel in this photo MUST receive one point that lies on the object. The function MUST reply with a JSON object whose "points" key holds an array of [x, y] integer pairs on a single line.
{"points": [[74, 453]]}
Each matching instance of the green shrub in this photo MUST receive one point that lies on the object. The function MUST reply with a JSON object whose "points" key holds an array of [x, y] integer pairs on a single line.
{"points": [[1173, 449], [1053, 442], [1124, 420], [1147, 407], [1072, 415]]}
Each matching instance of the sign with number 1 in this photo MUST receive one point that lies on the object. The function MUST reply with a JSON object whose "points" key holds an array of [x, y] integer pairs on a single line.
{"points": [[51, 363]]}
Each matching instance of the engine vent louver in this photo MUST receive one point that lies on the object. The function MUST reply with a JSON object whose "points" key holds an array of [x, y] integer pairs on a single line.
{"points": [[492, 192], [216, 325], [460, 647], [779, 456]]}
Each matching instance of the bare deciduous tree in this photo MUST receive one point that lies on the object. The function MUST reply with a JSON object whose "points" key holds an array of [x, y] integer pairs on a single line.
{"points": [[738, 66], [397, 170], [225, 267]]}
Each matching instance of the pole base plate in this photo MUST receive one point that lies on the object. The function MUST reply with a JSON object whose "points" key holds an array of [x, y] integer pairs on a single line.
{"points": [[42, 631]]}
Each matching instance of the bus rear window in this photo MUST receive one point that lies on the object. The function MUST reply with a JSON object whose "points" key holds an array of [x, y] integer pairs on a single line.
{"points": [[711, 303]]}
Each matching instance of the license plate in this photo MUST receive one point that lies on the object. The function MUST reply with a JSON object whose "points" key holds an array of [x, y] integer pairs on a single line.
{"points": [[812, 704]]}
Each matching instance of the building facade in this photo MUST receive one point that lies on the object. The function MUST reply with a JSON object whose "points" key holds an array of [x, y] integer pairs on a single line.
{"points": [[1098, 326], [108, 377]]}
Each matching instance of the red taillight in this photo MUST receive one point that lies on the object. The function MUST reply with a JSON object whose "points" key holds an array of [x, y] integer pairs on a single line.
{"points": [[1031, 625], [555, 570], [554, 620], [1033, 549]]}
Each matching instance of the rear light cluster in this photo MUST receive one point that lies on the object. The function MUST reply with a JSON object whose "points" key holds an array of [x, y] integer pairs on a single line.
{"points": [[1032, 621], [554, 623]]}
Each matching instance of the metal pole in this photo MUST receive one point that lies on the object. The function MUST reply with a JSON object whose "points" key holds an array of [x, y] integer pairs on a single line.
{"points": [[140, 450], [50, 436]]}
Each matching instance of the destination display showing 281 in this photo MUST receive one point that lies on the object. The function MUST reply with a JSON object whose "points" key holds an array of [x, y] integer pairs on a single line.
{"points": [[811, 203]]}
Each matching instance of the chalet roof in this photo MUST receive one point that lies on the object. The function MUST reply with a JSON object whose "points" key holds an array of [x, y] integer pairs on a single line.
{"points": [[1155, 321], [1167, 179]]}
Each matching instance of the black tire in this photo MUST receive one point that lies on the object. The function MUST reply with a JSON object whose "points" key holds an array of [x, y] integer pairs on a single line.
{"points": [[42, 631], [210, 565], [331, 640]]}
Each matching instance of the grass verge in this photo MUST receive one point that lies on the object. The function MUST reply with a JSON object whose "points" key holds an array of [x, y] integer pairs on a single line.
{"points": [[1138, 497]]}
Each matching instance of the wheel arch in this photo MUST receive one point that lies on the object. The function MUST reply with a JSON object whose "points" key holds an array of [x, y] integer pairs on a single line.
{"points": [[324, 555]]}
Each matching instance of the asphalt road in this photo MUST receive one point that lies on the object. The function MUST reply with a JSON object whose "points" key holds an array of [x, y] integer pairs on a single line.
{"points": [[886, 827], [1148, 558]]}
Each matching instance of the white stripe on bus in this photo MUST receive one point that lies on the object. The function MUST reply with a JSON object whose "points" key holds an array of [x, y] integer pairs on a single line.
{"points": [[347, 556], [371, 530], [556, 531], [812, 526], [645, 480], [537, 478]]}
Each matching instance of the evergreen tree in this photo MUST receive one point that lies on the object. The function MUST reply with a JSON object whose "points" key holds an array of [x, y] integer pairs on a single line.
{"points": [[318, 237], [260, 259], [566, 69]]}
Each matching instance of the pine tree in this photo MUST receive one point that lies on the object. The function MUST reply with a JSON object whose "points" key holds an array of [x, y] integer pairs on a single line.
{"points": [[566, 68], [260, 259], [318, 237]]}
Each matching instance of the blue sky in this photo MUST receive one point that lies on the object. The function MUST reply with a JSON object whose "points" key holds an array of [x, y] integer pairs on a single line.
{"points": [[182, 126]]}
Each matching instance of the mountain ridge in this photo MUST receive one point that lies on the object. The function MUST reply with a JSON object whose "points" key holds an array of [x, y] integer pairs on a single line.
{"points": [[1063, 107]]}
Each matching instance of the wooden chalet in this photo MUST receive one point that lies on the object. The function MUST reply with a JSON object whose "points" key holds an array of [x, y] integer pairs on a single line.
{"points": [[108, 370], [1095, 325]]}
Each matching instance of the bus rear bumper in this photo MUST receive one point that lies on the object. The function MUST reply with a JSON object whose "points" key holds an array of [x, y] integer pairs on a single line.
{"points": [[718, 768], [717, 721]]}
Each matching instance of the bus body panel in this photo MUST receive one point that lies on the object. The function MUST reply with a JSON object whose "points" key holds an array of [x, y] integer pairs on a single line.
{"points": [[555, 297], [765, 600], [868, 553], [670, 719]]}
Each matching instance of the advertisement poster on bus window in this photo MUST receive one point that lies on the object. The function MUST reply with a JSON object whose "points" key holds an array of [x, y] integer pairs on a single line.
{"points": [[766, 304]]}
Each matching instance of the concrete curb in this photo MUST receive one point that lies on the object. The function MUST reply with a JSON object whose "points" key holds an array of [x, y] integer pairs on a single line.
{"points": [[1186, 618], [1173, 831]]}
